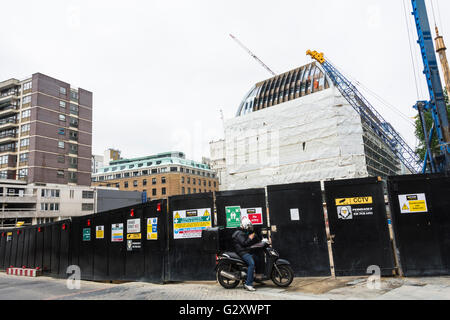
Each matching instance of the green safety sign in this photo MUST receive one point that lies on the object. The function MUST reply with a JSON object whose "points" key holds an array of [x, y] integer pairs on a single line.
{"points": [[233, 215], [87, 234]]}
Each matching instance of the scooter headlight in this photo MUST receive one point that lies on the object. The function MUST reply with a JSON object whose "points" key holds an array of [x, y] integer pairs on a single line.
{"points": [[272, 252]]}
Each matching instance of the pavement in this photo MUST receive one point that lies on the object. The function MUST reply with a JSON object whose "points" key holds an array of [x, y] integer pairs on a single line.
{"points": [[345, 288]]}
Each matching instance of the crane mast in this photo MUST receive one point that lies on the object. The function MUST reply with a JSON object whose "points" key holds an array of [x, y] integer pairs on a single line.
{"points": [[436, 105]]}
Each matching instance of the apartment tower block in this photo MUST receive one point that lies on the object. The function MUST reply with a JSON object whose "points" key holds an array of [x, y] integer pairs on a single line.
{"points": [[45, 131]]}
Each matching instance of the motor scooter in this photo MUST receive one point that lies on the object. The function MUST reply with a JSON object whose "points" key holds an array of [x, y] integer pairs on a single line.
{"points": [[231, 269]]}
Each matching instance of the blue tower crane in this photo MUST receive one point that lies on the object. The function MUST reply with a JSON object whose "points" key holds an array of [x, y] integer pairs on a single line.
{"points": [[370, 115], [436, 104]]}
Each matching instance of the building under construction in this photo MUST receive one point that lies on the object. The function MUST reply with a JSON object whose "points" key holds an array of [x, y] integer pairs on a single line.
{"points": [[297, 127]]}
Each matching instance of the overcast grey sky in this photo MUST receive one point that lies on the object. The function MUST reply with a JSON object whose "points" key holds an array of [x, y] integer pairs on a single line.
{"points": [[161, 71]]}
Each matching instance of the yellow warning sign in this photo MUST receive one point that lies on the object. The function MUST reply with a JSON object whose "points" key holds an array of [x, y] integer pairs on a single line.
{"points": [[206, 213], [177, 216], [133, 236], [418, 206], [405, 207], [354, 201]]}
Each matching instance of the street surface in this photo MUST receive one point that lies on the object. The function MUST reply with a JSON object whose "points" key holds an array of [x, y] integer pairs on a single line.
{"points": [[347, 288]]}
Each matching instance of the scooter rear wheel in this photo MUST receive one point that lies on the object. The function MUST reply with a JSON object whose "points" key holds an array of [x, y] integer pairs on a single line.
{"points": [[225, 282], [282, 277]]}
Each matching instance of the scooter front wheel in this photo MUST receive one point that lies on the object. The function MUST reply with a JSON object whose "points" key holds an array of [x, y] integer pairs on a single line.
{"points": [[224, 281], [282, 275]]}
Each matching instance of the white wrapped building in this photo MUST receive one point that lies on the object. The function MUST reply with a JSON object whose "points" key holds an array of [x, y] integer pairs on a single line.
{"points": [[297, 127]]}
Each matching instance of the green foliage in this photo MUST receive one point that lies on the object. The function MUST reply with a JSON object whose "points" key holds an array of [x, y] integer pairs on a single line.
{"points": [[422, 149]]}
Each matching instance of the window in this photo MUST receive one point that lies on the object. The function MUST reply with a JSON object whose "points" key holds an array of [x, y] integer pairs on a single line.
{"points": [[61, 159], [73, 135], [126, 174], [62, 131], [73, 162], [71, 194], [60, 173], [163, 191], [189, 190], [50, 193], [27, 86], [125, 184], [153, 180], [188, 180], [62, 90], [49, 206], [154, 171], [153, 192], [144, 182], [26, 100], [173, 169], [195, 190], [182, 179], [73, 122], [23, 157], [4, 159], [61, 144], [135, 183], [74, 109], [88, 195], [87, 207], [209, 183], [25, 128], [73, 148], [23, 173], [62, 104], [182, 190], [62, 117], [74, 95], [26, 114], [193, 180], [163, 180], [72, 176], [25, 142]]}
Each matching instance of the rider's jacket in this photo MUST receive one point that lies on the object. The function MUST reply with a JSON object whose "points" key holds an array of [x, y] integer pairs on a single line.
{"points": [[242, 242]]}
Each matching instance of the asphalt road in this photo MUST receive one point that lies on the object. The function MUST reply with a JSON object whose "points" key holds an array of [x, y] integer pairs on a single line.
{"points": [[349, 288]]}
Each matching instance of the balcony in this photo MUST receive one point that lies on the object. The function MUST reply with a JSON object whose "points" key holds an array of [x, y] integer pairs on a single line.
{"points": [[9, 110], [8, 137], [8, 123], [13, 198]]}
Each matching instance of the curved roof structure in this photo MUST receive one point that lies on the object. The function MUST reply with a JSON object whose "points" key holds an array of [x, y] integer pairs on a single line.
{"points": [[288, 86]]}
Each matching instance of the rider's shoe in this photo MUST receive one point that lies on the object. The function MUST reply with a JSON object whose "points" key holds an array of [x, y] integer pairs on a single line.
{"points": [[249, 288]]}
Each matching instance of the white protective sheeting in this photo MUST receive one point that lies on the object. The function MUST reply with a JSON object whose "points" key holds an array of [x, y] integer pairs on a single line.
{"points": [[313, 138]]}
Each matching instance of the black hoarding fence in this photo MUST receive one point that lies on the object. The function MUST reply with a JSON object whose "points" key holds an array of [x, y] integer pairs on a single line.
{"points": [[86, 233], [298, 227], [47, 248], [185, 259], [421, 220], [134, 253], [101, 239], [64, 248], [231, 206], [116, 245], [155, 240], [2, 249], [358, 225], [32, 232], [55, 249]]}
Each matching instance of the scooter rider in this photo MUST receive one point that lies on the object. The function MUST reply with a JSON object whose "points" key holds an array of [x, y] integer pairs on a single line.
{"points": [[243, 239]]}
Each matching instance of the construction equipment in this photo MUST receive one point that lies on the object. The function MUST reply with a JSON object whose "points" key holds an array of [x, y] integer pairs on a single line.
{"points": [[368, 113], [440, 49], [253, 55], [436, 105]]}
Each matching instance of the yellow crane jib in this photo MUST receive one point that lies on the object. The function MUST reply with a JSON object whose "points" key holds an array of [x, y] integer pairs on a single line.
{"points": [[316, 55]]}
